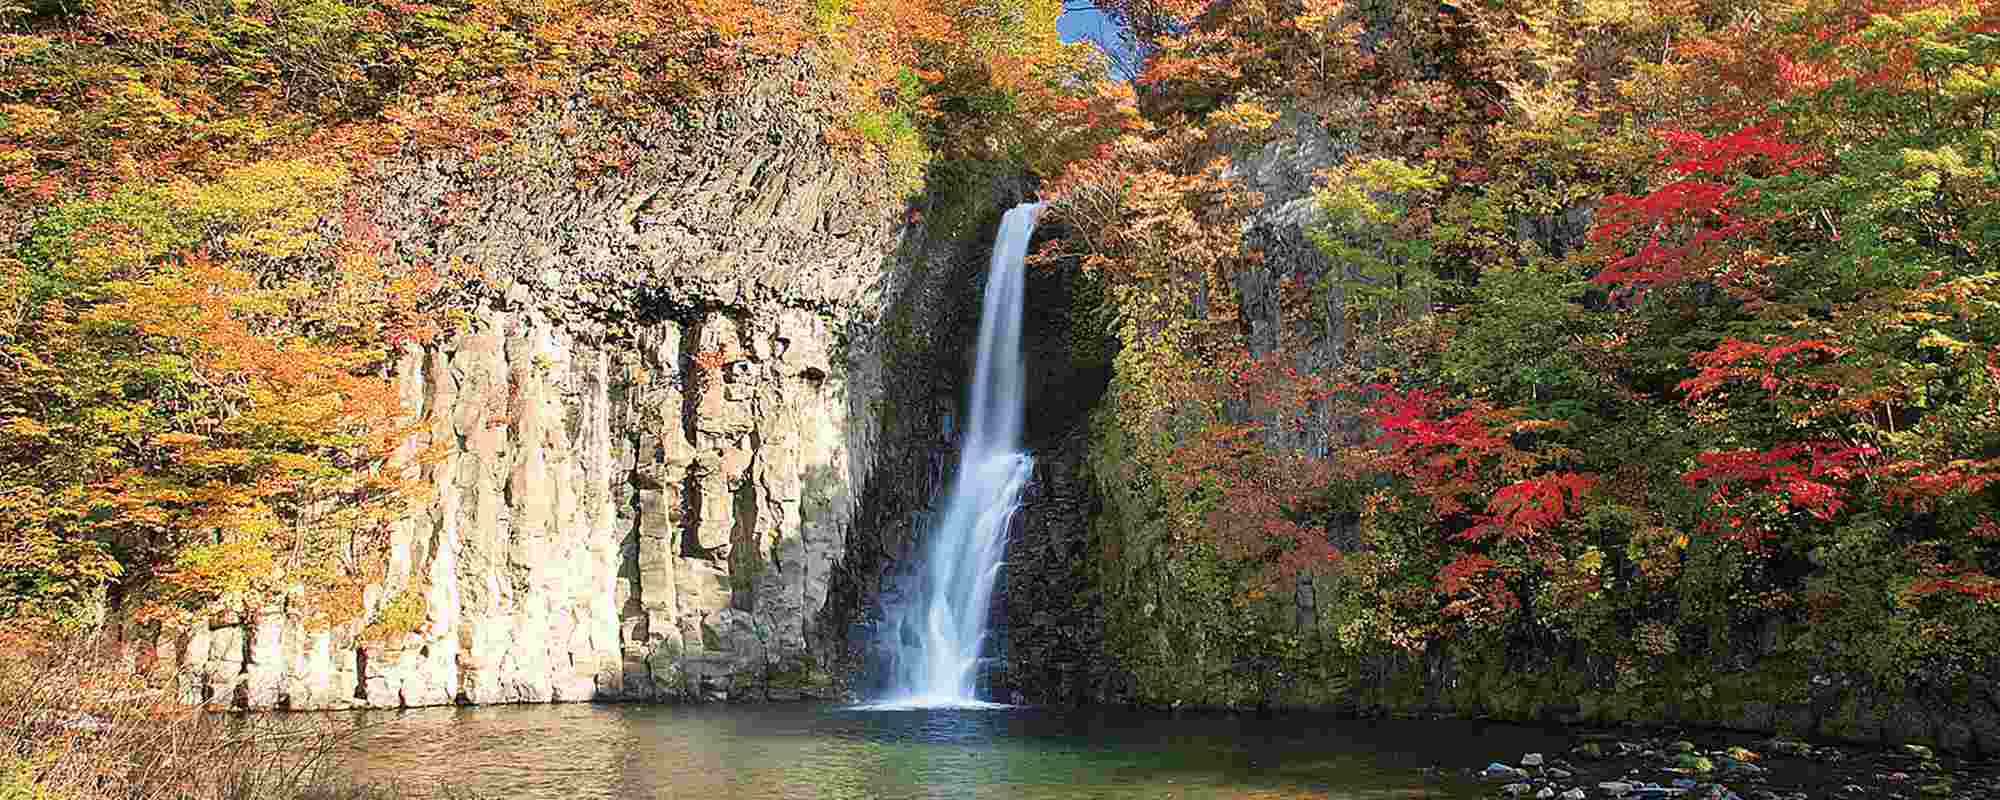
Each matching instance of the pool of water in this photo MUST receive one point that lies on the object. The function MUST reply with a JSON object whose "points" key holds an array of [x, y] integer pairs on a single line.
{"points": [[803, 751]]}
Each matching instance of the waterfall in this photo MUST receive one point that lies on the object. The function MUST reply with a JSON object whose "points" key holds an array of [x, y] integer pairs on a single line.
{"points": [[944, 625]]}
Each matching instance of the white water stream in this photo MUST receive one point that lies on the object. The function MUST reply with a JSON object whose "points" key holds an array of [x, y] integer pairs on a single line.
{"points": [[962, 559]]}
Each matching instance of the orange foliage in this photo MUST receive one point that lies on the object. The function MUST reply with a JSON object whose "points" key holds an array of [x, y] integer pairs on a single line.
{"points": [[710, 362], [199, 315], [1772, 345]]}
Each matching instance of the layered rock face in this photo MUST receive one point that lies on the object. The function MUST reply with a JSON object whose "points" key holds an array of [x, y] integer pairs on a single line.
{"points": [[648, 438]]}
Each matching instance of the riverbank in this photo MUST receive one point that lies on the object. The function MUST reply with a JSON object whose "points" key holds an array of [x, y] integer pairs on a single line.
{"points": [[1641, 765], [75, 724]]}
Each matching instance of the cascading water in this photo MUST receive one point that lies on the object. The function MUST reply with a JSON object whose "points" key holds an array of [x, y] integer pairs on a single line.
{"points": [[944, 626]]}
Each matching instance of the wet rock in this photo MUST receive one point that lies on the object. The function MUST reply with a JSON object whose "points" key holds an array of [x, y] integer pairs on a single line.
{"points": [[1735, 767], [1690, 761], [1824, 771]]}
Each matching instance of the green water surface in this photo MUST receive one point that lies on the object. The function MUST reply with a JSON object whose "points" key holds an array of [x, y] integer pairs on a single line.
{"points": [[820, 751]]}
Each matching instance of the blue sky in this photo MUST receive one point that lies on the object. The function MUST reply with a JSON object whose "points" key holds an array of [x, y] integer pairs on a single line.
{"points": [[1087, 22], [1075, 24]]}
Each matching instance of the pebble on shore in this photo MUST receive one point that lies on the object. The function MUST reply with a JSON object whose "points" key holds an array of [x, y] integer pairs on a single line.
{"points": [[1656, 768]]}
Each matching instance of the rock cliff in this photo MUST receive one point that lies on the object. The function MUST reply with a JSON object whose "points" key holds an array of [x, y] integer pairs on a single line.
{"points": [[1049, 627], [651, 435], [1171, 643], [1048, 618]]}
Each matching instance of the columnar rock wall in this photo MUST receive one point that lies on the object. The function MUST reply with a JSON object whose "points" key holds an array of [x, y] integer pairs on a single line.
{"points": [[612, 519]]}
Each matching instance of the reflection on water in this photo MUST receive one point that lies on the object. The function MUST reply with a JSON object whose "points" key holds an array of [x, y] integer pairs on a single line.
{"points": [[802, 751]]}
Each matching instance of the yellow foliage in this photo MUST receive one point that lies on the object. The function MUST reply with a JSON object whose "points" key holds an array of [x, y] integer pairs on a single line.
{"points": [[273, 206], [1244, 115], [229, 569], [402, 615]]}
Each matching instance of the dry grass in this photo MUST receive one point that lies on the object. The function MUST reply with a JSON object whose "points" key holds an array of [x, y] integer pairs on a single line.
{"points": [[74, 726]]}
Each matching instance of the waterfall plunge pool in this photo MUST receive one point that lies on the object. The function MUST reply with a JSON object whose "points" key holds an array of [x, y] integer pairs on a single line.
{"points": [[754, 752], [929, 737]]}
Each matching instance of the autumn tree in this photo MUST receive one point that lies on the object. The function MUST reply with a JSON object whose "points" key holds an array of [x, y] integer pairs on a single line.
{"points": [[198, 318], [1671, 318]]}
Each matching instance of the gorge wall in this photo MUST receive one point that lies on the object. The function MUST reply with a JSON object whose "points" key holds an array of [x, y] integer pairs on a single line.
{"points": [[1176, 634], [689, 433], [678, 389], [1048, 615], [1043, 598]]}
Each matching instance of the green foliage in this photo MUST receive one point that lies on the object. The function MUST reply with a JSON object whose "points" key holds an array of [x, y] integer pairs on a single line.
{"points": [[17, 780], [1517, 341], [197, 311], [1372, 201], [895, 133], [1091, 319], [401, 616], [959, 195], [1373, 229], [830, 15], [1647, 335]]}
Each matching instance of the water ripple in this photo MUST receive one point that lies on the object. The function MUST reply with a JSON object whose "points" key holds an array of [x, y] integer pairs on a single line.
{"points": [[837, 753]]}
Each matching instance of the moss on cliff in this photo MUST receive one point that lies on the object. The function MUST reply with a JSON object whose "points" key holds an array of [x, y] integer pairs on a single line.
{"points": [[1181, 631]]}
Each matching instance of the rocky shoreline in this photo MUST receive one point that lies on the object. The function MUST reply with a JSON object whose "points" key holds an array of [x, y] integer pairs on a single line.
{"points": [[1636, 765]]}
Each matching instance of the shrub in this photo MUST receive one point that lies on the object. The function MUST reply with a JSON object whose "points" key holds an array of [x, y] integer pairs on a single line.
{"points": [[75, 723]]}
